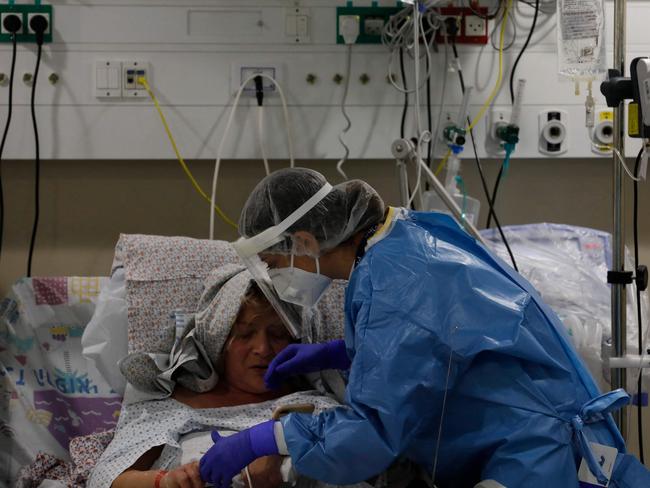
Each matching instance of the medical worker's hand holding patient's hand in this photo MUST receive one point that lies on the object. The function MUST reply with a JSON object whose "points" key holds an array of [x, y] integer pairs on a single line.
{"points": [[229, 455], [185, 476], [264, 472], [298, 359]]}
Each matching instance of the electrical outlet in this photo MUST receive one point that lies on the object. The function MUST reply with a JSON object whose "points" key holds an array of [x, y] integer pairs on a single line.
{"points": [[373, 26], [44, 14], [241, 72], [472, 29], [371, 19], [26, 12], [131, 71], [475, 26], [2, 23]]}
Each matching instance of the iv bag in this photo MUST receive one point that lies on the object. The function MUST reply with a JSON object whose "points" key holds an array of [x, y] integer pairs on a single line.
{"points": [[581, 39]]}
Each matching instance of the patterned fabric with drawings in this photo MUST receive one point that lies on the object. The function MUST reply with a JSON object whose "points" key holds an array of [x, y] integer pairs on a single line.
{"points": [[48, 394]]}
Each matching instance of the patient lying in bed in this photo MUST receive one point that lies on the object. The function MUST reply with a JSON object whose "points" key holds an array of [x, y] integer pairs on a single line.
{"points": [[173, 433]]}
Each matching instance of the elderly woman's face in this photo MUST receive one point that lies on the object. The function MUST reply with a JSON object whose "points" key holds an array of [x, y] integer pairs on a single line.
{"points": [[257, 336]]}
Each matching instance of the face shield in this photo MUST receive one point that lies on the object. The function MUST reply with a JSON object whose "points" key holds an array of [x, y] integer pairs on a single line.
{"points": [[249, 251]]}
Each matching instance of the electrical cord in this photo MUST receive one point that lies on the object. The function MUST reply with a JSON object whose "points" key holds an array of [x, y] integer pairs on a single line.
{"points": [[143, 81], [461, 79], [348, 122], [259, 94], [39, 25], [638, 305], [497, 86], [406, 94], [5, 133], [521, 53], [430, 118], [489, 15], [503, 20], [231, 117]]}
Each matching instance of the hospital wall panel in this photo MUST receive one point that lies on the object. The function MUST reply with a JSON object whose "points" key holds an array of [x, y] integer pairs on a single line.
{"points": [[191, 69]]}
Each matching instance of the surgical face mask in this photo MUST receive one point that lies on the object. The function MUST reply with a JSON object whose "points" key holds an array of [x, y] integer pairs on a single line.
{"points": [[300, 287]]}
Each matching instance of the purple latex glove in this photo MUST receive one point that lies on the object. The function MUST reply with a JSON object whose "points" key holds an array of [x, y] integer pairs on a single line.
{"points": [[231, 454], [306, 358]]}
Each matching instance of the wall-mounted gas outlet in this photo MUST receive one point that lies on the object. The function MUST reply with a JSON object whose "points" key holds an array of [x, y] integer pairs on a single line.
{"points": [[602, 136], [243, 71], [26, 12], [498, 117], [553, 132]]}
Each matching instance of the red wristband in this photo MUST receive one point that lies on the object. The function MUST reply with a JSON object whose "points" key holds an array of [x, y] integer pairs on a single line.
{"points": [[161, 474]]}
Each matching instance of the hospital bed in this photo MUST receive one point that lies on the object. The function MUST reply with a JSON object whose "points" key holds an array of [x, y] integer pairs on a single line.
{"points": [[52, 393]]}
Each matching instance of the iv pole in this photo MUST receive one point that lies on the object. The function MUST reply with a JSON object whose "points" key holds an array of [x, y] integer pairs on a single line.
{"points": [[619, 329]]}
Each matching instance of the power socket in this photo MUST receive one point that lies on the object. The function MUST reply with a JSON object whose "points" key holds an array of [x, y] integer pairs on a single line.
{"points": [[26, 12], [3, 31], [44, 14], [240, 72], [373, 26], [475, 26]]}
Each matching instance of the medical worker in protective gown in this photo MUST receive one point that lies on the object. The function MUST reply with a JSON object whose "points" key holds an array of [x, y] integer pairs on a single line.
{"points": [[454, 360]]}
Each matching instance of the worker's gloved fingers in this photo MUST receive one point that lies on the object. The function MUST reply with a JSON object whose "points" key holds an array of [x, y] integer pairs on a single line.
{"points": [[205, 470], [273, 379]]}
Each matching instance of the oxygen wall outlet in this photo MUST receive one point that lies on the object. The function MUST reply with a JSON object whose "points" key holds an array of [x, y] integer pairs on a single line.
{"points": [[553, 132], [498, 117], [602, 136]]}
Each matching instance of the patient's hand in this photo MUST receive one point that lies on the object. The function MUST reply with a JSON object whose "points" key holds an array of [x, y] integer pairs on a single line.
{"points": [[265, 472], [185, 476]]}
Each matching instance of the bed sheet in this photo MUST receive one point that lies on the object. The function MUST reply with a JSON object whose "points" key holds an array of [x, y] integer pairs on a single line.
{"points": [[49, 393]]}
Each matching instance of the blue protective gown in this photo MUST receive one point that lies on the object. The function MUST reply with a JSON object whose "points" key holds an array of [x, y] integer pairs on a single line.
{"points": [[429, 310]]}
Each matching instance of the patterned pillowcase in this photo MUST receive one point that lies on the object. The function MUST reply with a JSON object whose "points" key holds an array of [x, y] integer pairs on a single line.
{"points": [[164, 274]]}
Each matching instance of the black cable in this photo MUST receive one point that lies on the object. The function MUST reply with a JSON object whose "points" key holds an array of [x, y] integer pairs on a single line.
{"points": [[521, 53], [480, 166], [406, 95], [495, 191], [638, 304], [429, 119], [4, 135], [489, 15], [37, 162]]}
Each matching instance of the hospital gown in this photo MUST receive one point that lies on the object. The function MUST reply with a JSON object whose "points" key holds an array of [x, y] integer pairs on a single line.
{"points": [[148, 424]]}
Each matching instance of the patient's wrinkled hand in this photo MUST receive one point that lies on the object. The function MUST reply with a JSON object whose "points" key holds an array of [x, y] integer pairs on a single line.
{"points": [[185, 476], [264, 472]]}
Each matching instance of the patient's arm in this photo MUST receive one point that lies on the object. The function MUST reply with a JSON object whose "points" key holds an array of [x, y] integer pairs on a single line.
{"points": [[139, 475], [265, 472]]}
